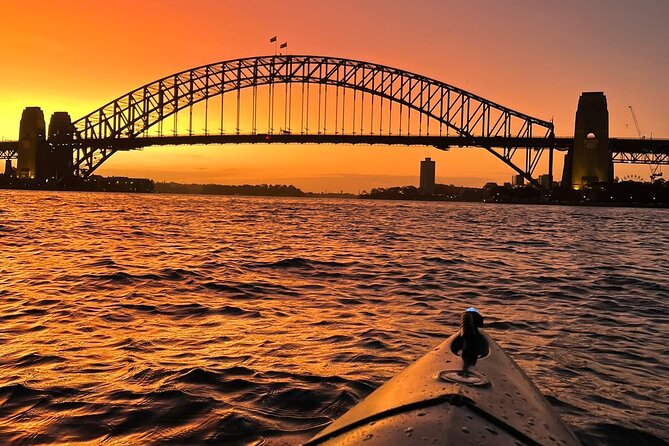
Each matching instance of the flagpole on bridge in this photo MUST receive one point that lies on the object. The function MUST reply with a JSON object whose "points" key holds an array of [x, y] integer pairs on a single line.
{"points": [[275, 41]]}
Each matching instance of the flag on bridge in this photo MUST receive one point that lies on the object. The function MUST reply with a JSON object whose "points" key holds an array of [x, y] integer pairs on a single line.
{"points": [[273, 39], [283, 45]]}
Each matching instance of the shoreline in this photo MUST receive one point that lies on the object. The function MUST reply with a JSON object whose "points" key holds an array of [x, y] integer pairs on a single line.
{"points": [[313, 195], [617, 194]]}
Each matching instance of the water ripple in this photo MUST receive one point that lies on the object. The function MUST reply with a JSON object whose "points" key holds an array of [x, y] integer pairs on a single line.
{"points": [[164, 320]]}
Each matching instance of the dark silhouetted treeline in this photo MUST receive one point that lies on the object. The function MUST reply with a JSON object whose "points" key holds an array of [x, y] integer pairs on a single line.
{"points": [[619, 193], [442, 192], [265, 190]]}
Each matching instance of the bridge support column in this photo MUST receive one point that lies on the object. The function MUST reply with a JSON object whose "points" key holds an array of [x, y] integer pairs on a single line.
{"points": [[550, 167], [32, 144], [589, 161]]}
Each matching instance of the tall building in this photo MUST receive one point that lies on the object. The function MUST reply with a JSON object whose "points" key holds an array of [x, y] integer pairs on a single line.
{"points": [[9, 170], [546, 181], [427, 176]]}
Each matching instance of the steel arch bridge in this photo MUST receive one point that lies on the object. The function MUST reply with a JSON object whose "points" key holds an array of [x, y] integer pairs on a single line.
{"points": [[306, 98]]}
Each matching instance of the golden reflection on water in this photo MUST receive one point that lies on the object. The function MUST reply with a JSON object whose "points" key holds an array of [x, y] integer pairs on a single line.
{"points": [[183, 320]]}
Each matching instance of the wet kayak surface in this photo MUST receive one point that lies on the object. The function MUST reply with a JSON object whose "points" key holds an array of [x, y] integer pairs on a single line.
{"points": [[442, 399]]}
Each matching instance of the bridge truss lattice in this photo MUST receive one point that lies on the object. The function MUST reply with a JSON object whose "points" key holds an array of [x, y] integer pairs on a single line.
{"points": [[307, 96]]}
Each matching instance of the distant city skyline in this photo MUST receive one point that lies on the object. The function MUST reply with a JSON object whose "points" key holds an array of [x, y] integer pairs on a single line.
{"points": [[75, 59]]}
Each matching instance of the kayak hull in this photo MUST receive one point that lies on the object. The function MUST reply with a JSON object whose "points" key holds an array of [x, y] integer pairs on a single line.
{"points": [[434, 402]]}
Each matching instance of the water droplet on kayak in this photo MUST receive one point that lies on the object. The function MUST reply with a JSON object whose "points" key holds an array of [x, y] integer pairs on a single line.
{"points": [[408, 431], [367, 437], [421, 414], [465, 430], [491, 430]]}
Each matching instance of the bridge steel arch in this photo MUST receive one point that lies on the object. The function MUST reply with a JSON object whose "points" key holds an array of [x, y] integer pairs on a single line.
{"points": [[130, 116]]}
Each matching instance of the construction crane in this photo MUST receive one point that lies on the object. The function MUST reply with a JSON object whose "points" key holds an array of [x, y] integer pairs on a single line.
{"points": [[636, 124], [655, 169]]}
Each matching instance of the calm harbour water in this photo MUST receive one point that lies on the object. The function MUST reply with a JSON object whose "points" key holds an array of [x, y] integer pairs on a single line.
{"points": [[157, 319]]}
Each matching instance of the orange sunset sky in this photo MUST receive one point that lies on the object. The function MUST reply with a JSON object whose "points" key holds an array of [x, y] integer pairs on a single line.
{"points": [[532, 56]]}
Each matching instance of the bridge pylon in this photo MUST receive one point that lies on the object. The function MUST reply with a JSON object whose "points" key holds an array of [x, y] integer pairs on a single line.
{"points": [[32, 144], [45, 157], [61, 137], [589, 160]]}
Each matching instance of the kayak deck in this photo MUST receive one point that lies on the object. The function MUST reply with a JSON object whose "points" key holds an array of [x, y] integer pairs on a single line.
{"points": [[434, 402]]}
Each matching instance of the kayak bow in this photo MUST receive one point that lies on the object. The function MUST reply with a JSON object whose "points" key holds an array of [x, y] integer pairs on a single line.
{"points": [[467, 391]]}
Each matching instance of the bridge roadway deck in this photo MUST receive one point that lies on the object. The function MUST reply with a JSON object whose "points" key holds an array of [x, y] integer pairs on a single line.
{"points": [[441, 142], [625, 145], [8, 149]]}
